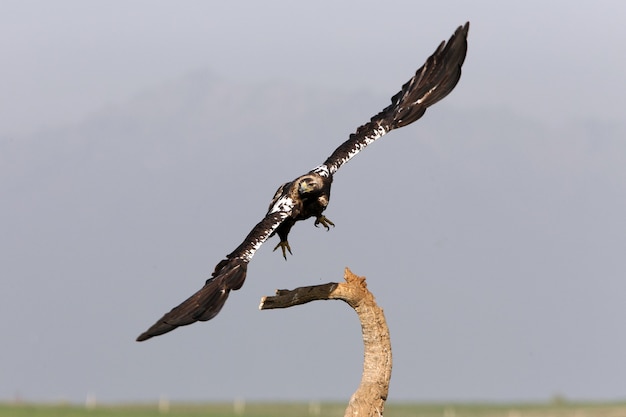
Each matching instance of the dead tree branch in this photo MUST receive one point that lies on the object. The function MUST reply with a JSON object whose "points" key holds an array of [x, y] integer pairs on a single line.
{"points": [[369, 398]]}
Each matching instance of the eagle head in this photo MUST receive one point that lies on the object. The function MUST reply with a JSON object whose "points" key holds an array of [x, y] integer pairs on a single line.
{"points": [[309, 184]]}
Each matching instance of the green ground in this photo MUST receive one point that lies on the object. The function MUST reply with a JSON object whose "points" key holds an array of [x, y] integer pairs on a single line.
{"points": [[324, 409]]}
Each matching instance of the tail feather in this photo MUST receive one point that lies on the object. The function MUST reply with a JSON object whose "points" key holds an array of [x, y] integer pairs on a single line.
{"points": [[206, 303]]}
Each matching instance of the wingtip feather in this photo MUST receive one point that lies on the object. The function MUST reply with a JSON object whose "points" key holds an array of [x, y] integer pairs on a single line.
{"points": [[203, 305], [432, 81]]}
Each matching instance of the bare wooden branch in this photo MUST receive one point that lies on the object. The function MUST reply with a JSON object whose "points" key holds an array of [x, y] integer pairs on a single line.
{"points": [[369, 398]]}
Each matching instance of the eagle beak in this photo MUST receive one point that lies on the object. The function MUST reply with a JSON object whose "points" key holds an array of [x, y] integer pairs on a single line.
{"points": [[304, 187]]}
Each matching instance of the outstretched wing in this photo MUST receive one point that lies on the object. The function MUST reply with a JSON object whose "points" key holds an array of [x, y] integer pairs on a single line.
{"points": [[228, 275], [432, 82]]}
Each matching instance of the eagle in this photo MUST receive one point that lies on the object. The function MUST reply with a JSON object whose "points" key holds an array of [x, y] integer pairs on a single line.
{"points": [[308, 195]]}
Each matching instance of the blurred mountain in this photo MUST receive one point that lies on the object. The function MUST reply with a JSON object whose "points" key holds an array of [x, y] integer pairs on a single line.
{"points": [[199, 135]]}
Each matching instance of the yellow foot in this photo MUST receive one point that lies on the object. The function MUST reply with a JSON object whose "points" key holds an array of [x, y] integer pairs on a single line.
{"points": [[324, 222], [285, 247]]}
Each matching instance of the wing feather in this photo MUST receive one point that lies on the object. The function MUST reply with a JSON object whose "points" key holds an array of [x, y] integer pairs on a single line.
{"points": [[432, 81], [229, 274]]}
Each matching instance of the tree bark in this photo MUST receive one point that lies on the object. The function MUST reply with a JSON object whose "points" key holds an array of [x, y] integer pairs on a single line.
{"points": [[369, 398]]}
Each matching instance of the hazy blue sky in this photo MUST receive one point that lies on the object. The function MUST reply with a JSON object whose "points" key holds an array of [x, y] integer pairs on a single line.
{"points": [[141, 140]]}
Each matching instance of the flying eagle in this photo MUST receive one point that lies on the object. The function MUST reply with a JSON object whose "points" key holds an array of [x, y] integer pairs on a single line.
{"points": [[308, 195]]}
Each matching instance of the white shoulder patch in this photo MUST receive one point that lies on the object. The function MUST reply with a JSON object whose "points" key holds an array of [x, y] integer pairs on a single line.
{"points": [[321, 170], [284, 204]]}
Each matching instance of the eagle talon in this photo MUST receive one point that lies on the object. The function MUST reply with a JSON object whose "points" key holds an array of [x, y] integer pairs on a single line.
{"points": [[324, 222], [284, 246]]}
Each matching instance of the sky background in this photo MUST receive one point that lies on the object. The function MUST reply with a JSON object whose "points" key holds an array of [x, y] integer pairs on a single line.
{"points": [[141, 140]]}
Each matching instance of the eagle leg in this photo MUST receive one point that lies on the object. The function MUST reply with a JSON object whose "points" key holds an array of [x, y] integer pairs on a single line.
{"points": [[284, 246], [324, 221]]}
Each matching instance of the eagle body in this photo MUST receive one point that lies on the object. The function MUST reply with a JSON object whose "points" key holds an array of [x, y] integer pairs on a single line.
{"points": [[308, 195]]}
